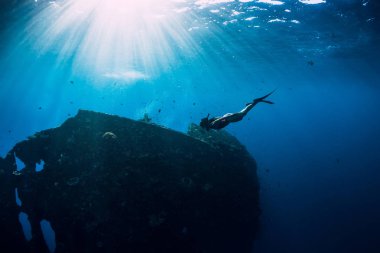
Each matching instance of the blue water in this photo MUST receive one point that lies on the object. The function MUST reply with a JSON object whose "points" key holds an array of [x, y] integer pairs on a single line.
{"points": [[317, 147]]}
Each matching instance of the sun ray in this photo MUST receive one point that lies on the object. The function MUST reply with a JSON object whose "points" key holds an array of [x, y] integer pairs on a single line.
{"points": [[113, 37]]}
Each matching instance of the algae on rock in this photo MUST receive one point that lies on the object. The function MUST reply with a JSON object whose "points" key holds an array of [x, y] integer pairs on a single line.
{"points": [[112, 184]]}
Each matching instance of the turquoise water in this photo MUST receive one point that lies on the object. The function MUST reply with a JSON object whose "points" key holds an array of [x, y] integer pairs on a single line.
{"points": [[317, 147]]}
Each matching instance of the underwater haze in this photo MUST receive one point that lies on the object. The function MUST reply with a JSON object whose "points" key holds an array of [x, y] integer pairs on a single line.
{"points": [[317, 148]]}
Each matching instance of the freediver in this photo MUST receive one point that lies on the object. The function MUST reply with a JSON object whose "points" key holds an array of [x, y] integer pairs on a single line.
{"points": [[221, 122]]}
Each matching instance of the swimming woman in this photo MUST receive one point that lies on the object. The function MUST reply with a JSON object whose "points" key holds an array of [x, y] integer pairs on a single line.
{"points": [[223, 121]]}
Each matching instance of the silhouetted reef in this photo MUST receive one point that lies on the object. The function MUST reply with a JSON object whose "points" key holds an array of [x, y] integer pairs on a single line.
{"points": [[111, 184]]}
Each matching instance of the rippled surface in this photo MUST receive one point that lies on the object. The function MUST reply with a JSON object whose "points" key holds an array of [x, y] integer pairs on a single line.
{"points": [[137, 40]]}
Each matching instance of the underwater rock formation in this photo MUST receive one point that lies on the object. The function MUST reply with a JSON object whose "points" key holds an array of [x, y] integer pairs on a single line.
{"points": [[111, 184]]}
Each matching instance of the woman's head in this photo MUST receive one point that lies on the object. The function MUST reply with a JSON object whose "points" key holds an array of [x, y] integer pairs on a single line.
{"points": [[205, 123]]}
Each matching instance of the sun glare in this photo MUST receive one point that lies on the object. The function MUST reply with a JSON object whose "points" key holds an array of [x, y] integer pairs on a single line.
{"points": [[112, 38]]}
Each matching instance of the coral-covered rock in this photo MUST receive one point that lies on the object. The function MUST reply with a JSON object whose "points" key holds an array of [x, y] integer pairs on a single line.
{"points": [[111, 184]]}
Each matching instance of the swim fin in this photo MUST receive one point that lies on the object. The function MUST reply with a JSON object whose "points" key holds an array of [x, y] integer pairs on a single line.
{"points": [[267, 101], [262, 99]]}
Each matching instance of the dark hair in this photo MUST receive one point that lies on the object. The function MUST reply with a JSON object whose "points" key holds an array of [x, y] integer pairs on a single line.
{"points": [[205, 122]]}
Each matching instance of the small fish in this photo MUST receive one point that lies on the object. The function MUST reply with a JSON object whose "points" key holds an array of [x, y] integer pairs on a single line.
{"points": [[311, 63]]}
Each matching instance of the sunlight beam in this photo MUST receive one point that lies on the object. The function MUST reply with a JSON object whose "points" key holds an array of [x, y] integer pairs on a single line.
{"points": [[113, 37]]}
